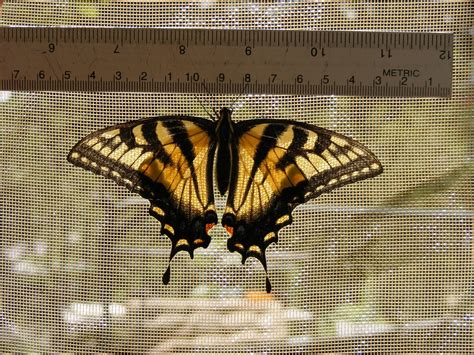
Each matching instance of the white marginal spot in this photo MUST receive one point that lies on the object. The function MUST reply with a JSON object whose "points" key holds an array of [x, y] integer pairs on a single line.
{"points": [[375, 166], [75, 155], [352, 155], [127, 182], [85, 160], [358, 151], [365, 170]]}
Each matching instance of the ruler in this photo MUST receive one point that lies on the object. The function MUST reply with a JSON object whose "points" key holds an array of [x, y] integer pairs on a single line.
{"points": [[227, 61]]}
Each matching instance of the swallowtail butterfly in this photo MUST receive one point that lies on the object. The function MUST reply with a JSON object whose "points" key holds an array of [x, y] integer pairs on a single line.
{"points": [[266, 167]]}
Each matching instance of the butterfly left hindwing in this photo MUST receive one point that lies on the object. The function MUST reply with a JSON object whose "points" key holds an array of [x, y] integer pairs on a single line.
{"points": [[280, 164], [167, 160]]}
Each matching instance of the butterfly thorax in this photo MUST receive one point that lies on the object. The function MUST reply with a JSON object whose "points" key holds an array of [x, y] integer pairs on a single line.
{"points": [[225, 142]]}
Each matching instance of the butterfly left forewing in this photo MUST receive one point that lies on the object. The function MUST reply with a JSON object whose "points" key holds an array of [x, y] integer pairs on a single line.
{"points": [[280, 164], [167, 160]]}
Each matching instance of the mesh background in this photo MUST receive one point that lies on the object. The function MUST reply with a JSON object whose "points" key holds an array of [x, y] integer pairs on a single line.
{"points": [[383, 265]]}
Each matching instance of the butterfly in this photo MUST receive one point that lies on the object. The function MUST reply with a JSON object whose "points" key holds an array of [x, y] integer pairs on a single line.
{"points": [[266, 167]]}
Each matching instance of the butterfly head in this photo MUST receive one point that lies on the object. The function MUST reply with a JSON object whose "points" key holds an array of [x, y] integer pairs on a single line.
{"points": [[225, 126], [225, 113]]}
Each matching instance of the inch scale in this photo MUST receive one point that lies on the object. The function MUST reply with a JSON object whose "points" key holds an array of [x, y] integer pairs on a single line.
{"points": [[226, 61]]}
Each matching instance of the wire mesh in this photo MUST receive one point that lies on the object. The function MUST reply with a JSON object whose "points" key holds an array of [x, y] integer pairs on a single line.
{"points": [[380, 266]]}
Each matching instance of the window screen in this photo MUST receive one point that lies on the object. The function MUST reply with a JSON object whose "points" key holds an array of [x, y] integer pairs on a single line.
{"points": [[380, 266]]}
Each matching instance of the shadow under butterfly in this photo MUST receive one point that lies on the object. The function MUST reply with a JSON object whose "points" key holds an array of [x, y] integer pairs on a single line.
{"points": [[267, 167]]}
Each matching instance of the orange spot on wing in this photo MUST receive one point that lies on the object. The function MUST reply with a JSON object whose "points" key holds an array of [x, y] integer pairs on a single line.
{"points": [[229, 230], [209, 226], [198, 242]]}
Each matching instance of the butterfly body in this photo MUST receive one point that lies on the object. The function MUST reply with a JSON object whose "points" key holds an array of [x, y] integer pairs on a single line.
{"points": [[265, 166], [225, 131]]}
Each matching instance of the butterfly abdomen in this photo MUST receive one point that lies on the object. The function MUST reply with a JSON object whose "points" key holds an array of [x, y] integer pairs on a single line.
{"points": [[226, 143], [223, 167]]}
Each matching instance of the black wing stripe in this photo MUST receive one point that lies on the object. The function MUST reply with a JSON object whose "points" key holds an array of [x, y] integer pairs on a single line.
{"points": [[127, 137], [181, 138], [267, 142], [251, 177], [297, 143], [294, 149], [149, 133], [322, 142], [148, 130], [300, 138], [193, 176], [159, 154]]}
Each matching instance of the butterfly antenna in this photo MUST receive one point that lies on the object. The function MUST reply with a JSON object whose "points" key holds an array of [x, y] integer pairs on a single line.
{"points": [[239, 96], [210, 95], [204, 108]]}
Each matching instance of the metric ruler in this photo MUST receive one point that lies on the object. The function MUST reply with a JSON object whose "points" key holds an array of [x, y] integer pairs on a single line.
{"points": [[226, 61]]}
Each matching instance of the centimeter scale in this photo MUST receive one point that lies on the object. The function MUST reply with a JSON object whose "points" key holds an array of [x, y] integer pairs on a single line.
{"points": [[226, 61]]}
